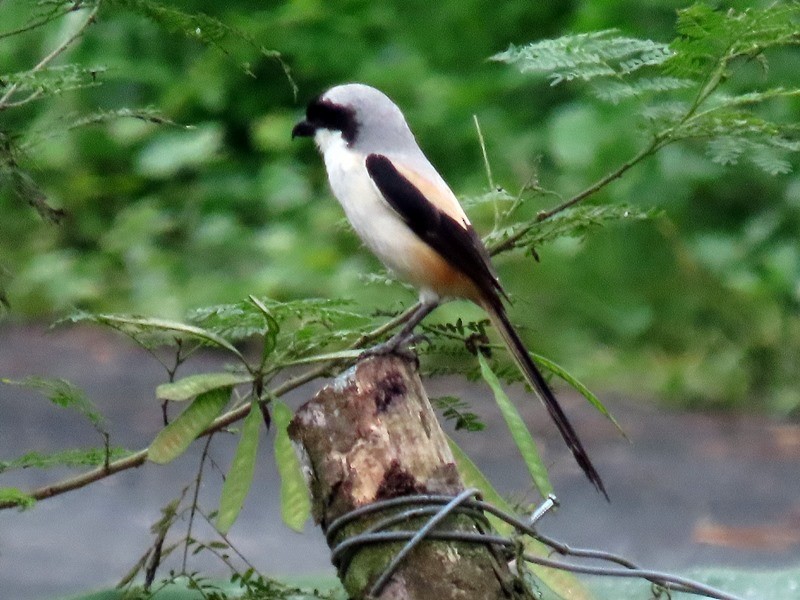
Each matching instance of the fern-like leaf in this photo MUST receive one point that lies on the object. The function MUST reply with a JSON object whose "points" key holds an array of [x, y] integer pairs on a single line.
{"points": [[304, 327], [203, 28], [770, 158], [615, 91], [456, 410], [684, 99], [707, 36], [15, 497], [493, 197], [78, 457], [64, 394], [586, 56], [576, 222], [53, 80]]}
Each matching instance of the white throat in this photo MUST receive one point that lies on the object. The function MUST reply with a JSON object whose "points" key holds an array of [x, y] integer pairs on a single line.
{"points": [[327, 139]]}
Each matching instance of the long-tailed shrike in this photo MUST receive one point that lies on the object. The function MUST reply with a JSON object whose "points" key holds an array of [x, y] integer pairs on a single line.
{"points": [[406, 214]]}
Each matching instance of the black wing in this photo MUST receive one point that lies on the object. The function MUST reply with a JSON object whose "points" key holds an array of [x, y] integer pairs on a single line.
{"points": [[457, 243]]}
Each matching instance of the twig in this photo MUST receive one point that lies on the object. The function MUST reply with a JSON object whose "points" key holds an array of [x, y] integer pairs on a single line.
{"points": [[55, 14], [161, 529], [33, 96], [49, 58], [197, 481], [155, 559], [484, 153], [655, 144], [226, 540], [72, 483], [224, 559]]}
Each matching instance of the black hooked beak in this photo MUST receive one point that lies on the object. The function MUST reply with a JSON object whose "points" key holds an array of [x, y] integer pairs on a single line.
{"points": [[304, 129]]}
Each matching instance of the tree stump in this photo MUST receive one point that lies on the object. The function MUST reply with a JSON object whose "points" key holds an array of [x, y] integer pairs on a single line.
{"points": [[372, 435]]}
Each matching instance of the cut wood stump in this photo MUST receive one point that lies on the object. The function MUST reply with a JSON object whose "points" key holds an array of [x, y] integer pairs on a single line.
{"points": [[371, 435]]}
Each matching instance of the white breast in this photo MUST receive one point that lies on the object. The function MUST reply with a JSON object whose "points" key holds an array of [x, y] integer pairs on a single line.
{"points": [[376, 223]]}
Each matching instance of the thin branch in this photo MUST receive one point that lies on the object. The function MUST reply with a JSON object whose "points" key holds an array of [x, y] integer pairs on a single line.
{"points": [[4, 104], [227, 540], [198, 480], [72, 483], [54, 15], [318, 371], [13, 104], [224, 559], [485, 155], [655, 144]]}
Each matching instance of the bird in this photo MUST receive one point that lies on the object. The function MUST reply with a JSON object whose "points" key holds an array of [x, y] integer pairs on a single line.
{"points": [[407, 215]]}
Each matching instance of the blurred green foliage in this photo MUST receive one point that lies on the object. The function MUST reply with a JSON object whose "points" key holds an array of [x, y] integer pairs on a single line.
{"points": [[700, 306]]}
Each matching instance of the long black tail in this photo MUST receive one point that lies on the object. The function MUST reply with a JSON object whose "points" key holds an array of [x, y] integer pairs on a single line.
{"points": [[499, 319]]}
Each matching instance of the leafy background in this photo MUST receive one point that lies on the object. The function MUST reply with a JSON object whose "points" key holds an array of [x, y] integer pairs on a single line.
{"points": [[698, 306]]}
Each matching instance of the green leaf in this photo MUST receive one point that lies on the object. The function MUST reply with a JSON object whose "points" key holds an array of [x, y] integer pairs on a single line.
{"points": [[492, 197], [235, 321], [300, 327], [89, 457], [64, 394], [456, 410], [578, 387], [271, 333], [240, 475], [770, 160], [143, 329], [14, 497], [295, 502], [519, 431], [193, 385], [177, 327], [175, 438], [725, 150]]}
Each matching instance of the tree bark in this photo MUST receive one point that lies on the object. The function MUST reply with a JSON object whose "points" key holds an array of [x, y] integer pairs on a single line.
{"points": [[372, 435]]}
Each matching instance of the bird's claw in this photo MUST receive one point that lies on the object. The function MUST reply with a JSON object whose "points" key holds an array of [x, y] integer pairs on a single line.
{"points": [[398, 346]]}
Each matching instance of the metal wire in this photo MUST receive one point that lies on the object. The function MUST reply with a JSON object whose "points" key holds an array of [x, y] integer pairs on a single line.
{"points": [[343, 553], [418, 537], [438, 507]]}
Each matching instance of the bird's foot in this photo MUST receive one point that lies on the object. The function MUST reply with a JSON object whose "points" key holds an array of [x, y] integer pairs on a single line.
{"points": [[398, 346]]}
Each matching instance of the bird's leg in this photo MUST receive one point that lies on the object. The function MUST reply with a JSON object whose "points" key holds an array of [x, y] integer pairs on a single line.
{"points": [[406, 334], [398, 343]]}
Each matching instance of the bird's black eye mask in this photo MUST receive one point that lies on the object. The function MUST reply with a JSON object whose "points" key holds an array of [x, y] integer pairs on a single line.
{"points": [[324, 114]]}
